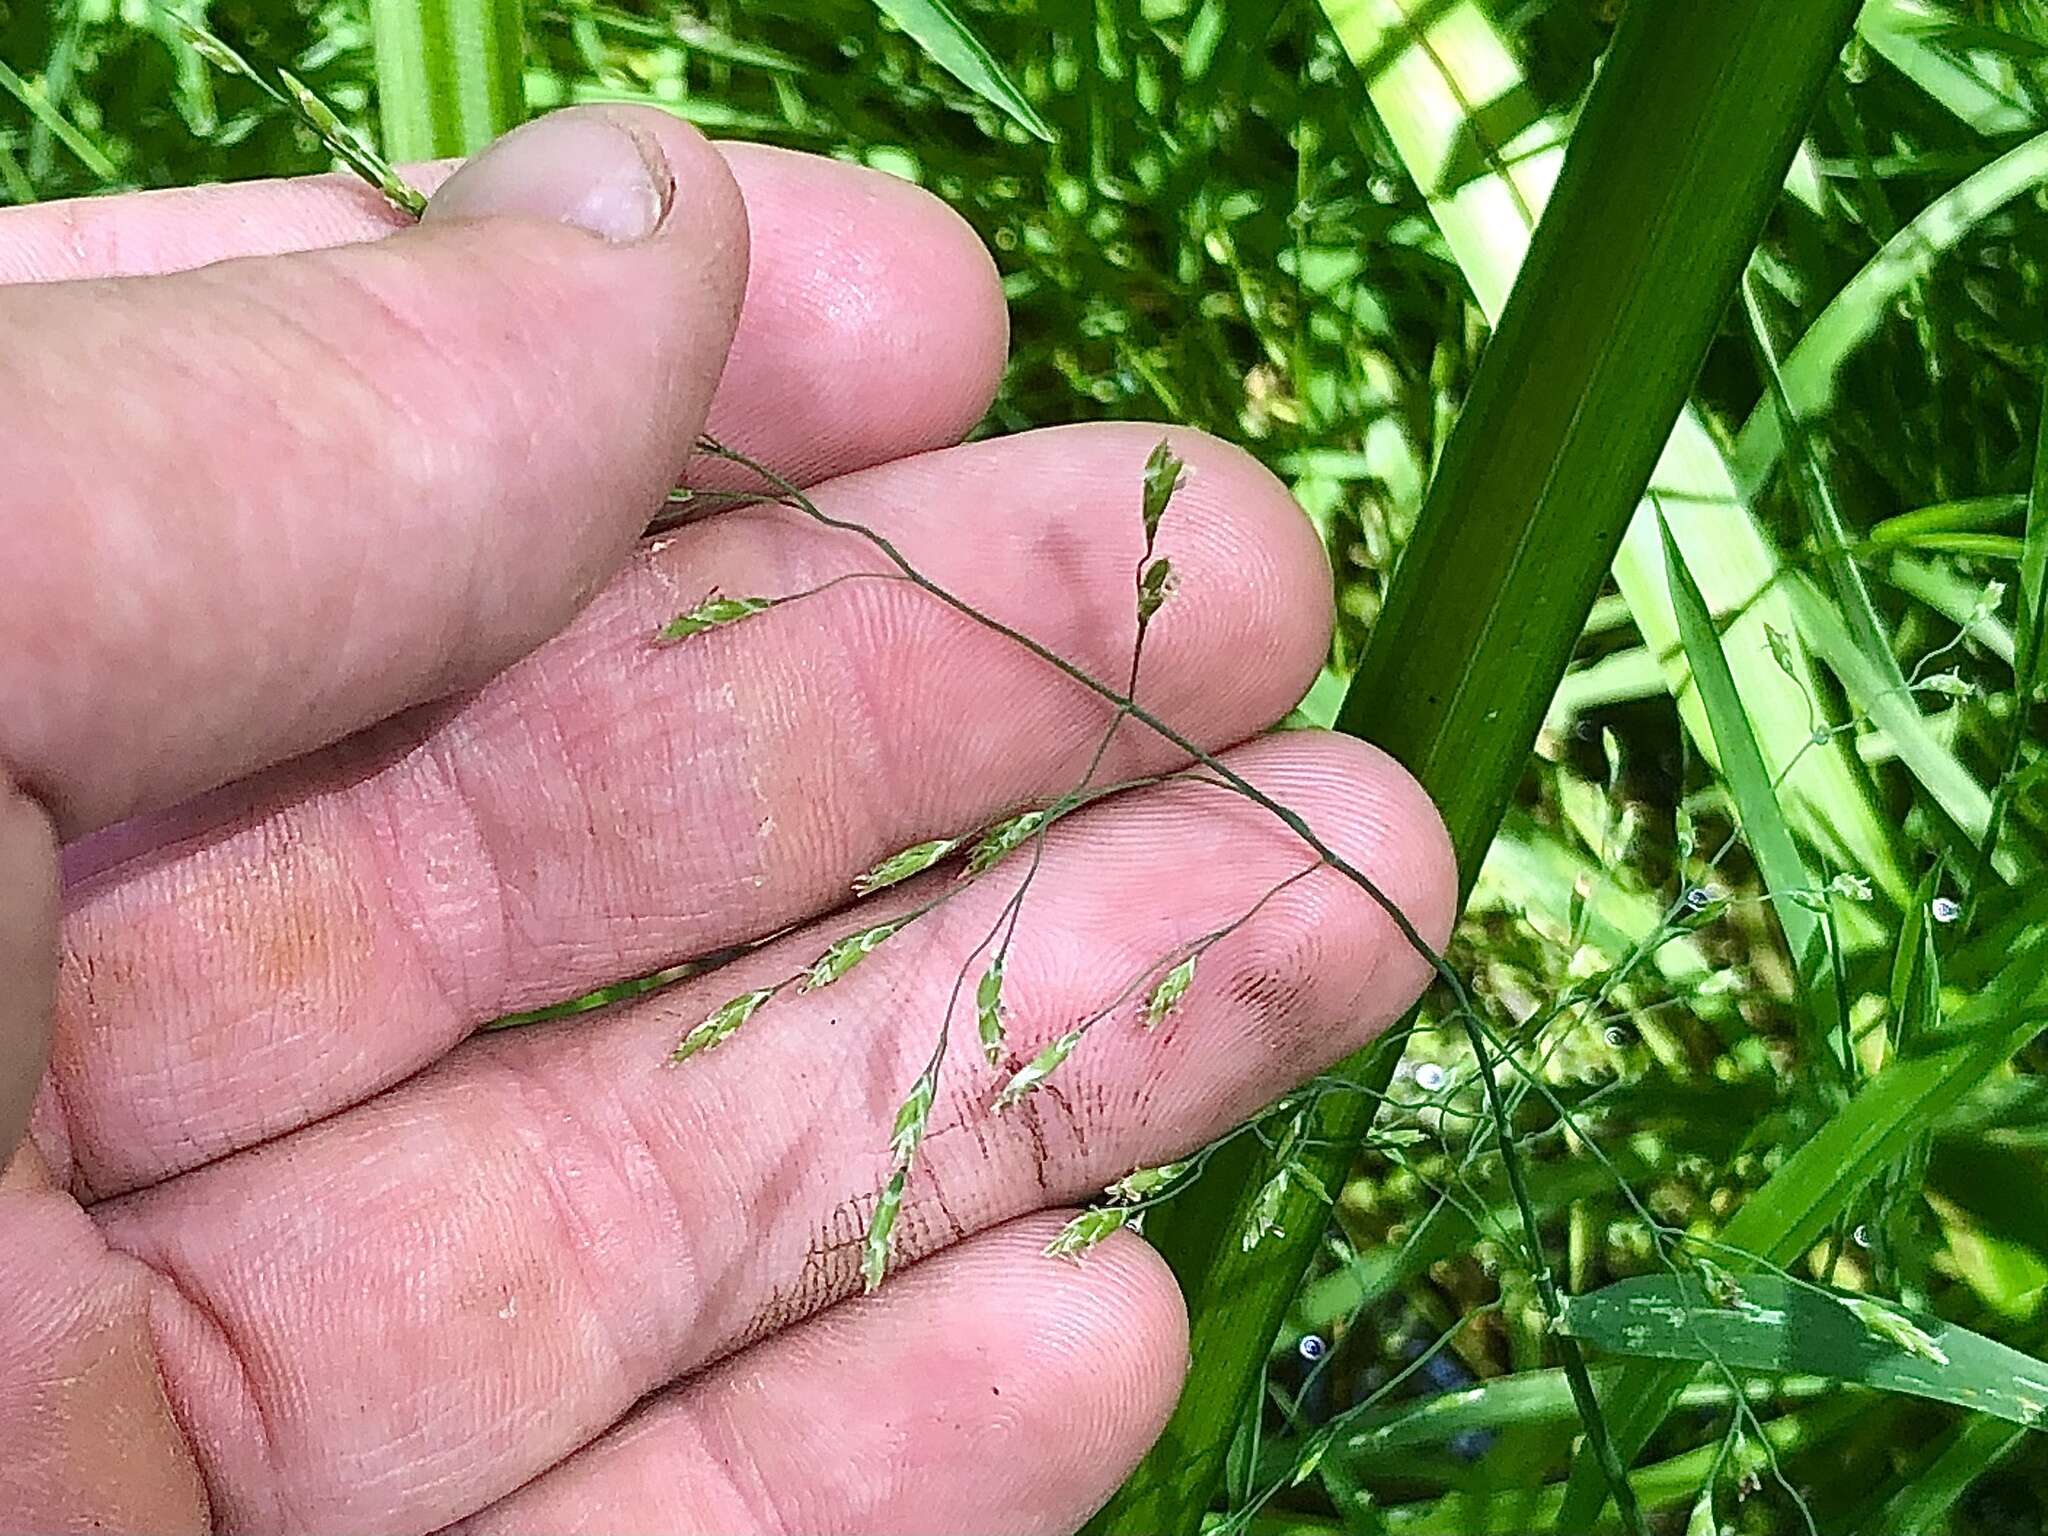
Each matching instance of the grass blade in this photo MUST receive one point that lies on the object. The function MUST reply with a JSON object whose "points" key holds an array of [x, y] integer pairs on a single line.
{"points": [[1425, 91], [1544, 1398], [1816, 501], [1939, 771], [1779, 1325], [1671, 1485], [1574, 400], [1926, 1492], [60, 127], [1809, 370], [1901, 32], [934, 27], [450, 74], [1786, 876]]}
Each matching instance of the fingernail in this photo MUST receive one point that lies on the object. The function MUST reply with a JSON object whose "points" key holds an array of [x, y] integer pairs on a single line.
{"points": [[582, 168]]}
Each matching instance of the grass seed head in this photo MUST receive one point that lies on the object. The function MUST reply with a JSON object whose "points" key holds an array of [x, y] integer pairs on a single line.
{"points": [[988, 1011], [714, 613], [1038, 1069], [1004, 839], [900, 866], [719, 1023], [1085, 1231], [1163, 471], [874, 1248], [1142, 1183], [846, 953], [1173, 986], [1154, 587]]}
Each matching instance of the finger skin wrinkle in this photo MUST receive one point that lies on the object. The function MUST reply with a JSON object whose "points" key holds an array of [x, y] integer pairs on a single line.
{"points": [[450, 896], [602, 1185], [768, 1509], [178, 1312]]}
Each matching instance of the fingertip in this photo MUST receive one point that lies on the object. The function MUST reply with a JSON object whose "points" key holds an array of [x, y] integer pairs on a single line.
{"points": [[1374, 815], [1284, 611], [497, 401], [1124, 1296], [874, 315]]}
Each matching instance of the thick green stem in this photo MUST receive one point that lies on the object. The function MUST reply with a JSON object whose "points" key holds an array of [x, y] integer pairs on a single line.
{"points": [[450, 74], [1682, 148]]}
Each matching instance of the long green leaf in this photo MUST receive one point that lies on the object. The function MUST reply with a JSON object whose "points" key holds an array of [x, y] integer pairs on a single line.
{"points": [[934, 27], [1786, 876], [2027, 647], [1664, 1485], [1811, 368], [1963, 800], [1903, 33], [1427, 92], [1773, 1324], [1383, 1436], [39, 106], [1678, 156]]}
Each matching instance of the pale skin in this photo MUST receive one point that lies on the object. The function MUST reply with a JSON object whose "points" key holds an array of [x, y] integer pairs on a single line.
{"points": [[331, 728]]}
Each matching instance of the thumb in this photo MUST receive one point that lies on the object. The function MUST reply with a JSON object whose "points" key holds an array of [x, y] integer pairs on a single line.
{"points": [[251, 508]]}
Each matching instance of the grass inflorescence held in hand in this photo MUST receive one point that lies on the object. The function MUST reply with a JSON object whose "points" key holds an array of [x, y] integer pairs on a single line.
{"points": [[1730, 1128]]}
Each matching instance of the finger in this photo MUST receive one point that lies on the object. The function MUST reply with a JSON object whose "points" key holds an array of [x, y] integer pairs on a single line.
{"points": [[611, 806], [988, 1389], [554, 1217], [341, 482], [88, 1441], [28, 956], [873, 325]]}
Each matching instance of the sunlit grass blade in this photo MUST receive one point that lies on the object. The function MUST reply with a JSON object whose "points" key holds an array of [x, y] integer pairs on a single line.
{"points": [[1777, 1325], [1853, 315], [1902, 32], [61, 128], [1385, 1434], [1486, 210], [1678, 155], [1947, 780], [450, 74], [1972, 514], [1672, 1485], [1791, 885], [1816, 500], [952, 44]]}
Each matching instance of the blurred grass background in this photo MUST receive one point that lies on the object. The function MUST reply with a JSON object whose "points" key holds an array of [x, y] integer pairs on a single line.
{"points": [[1225, 233]]}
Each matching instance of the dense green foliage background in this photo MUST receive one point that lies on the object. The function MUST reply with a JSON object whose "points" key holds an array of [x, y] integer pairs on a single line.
{"points": [[1225, 234]]}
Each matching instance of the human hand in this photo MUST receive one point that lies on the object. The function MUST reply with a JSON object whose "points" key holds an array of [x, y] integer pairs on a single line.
{"points": [[288, 1247]]}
